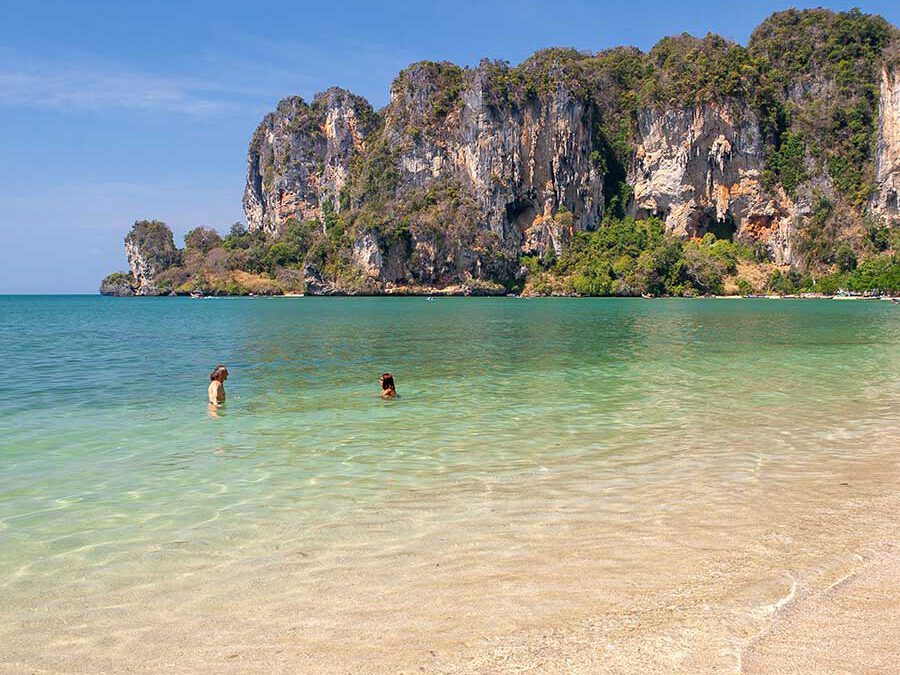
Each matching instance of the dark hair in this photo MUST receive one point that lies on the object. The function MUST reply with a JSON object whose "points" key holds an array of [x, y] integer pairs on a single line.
{"points": [[387, 381], [214, 375]]}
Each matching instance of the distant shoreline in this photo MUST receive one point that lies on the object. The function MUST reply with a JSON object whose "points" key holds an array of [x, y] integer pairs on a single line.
{"points": [[442, 294]]}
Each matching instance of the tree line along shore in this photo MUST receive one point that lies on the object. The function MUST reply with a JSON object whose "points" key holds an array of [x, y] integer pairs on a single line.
{"points": [[623, 258]]}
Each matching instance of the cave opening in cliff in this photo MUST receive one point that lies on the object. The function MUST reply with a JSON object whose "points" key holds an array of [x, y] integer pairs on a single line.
{"points": [[722, 229], [522, 212]]}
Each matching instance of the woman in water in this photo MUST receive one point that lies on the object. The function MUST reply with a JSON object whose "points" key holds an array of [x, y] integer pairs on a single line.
{"points": [[388, 390], [217, 385]]}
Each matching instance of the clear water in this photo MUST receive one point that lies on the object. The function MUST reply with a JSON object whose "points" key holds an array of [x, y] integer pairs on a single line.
{"points": [[568, 455]]}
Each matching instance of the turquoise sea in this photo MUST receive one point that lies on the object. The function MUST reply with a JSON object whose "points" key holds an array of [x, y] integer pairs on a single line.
{"points": [[548, 461]]}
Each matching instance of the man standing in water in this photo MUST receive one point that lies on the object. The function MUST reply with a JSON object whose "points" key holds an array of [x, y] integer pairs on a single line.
{"points": [[216, 389]]}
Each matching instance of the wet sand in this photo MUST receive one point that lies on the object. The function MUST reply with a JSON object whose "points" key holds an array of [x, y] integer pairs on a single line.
{"points": [[850, 627], [840, 615]]}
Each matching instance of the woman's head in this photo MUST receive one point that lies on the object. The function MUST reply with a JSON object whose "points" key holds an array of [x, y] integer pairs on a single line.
{"points": [[387, 381], [220, 373]]}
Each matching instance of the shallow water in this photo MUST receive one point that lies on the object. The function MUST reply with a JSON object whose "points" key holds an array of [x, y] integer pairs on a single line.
{"points": [[675, 470]]}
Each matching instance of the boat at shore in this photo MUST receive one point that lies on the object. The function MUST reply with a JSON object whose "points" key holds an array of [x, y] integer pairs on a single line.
{"points": [[844, 294]]}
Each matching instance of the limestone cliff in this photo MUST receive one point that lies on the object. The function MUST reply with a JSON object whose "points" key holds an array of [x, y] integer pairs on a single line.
{"points": [[299, 157], [532, 167], [700, 169], [887, 157], [150, 249], [518, 164], [524, 161], [117, 284], [478, 178]]}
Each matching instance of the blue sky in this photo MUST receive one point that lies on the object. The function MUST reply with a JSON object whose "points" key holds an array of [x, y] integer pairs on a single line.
{"points": [[116, 111]]}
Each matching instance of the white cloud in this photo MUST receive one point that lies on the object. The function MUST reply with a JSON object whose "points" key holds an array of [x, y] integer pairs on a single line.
{"points": [[97, 87]]}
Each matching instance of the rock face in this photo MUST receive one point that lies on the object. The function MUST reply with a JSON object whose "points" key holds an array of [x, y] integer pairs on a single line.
{"points": [[524, 162], [530, 169], [150, 249], [299, 158], [467, 170], [700, 168], [887, 156], [486, 179], [117, 284], [697, 166], [518, 164]]}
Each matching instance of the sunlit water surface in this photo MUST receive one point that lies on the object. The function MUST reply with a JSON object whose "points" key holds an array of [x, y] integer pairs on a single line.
{"points": [[671, 470]]}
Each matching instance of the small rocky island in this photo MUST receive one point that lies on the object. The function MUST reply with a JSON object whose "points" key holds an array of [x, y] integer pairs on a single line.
{"points": [[699, 167]]}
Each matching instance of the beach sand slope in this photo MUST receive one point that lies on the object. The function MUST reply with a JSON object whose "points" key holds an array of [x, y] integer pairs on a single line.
{"points": [[852, 627]]}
